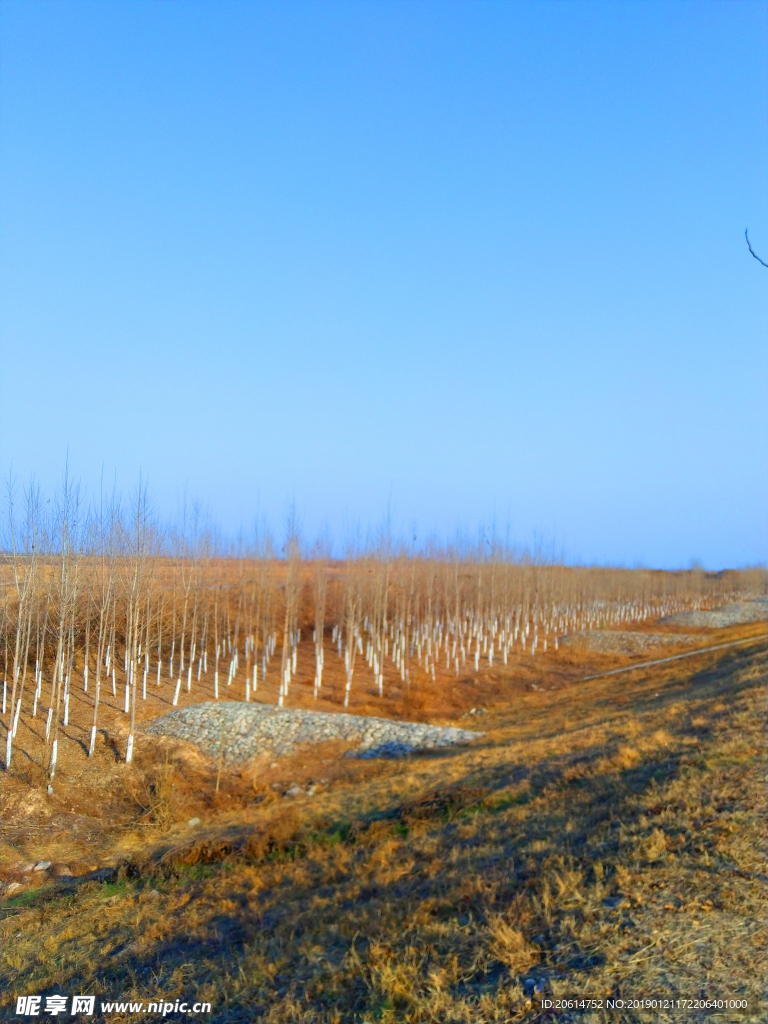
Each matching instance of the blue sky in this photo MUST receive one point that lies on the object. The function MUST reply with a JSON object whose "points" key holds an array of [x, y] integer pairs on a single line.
{"points": [[468, 261]]}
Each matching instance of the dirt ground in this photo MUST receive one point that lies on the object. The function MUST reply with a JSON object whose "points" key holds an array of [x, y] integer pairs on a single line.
{"points": [[604, 840]]}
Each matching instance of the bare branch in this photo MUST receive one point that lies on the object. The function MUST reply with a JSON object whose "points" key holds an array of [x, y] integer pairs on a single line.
{"points": [[753, 251]]}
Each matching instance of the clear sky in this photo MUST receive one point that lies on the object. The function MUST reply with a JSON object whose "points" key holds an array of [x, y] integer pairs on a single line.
{"points": [[468, 260]]}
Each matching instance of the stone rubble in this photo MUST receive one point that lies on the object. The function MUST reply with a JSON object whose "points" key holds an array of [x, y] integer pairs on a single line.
{"points": [[236, 732], [728, 615], [611, 641]]}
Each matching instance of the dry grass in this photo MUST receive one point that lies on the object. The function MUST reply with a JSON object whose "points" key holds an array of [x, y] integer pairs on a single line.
{"points": [[605, 839]]}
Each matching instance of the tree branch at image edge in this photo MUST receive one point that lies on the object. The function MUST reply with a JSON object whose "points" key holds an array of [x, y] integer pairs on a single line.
{"points": [[752, 250]]}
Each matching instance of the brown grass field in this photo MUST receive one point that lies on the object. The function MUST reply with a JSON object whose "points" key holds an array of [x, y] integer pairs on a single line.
{"points": [[604, 840]]}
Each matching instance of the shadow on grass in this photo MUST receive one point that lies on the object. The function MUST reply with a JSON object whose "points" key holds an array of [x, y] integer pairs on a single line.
{"points": [[333, 911], [322, 906]]}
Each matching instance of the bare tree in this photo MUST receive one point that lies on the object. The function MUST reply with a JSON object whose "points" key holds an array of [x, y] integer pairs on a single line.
{"points": [[140, 550], [381, 603], [321, 559], [106, 528], [352, 606], [24, 572], [187, 539], [68, 523], [291, 590]]}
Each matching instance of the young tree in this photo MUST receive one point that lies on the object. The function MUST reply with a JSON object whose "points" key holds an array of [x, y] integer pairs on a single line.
{"points": [[24, 572], [352, 606], [107, 526], [291, 590], [68, 519], [140, 551], [322, 555]]}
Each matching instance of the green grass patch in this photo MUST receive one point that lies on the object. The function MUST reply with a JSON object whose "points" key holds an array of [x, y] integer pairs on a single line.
{"points": [[117, 888], [25, 899], [195, 872]]}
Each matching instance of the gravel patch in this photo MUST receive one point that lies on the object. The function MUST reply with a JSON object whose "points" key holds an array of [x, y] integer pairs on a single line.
{"points": [[616, 642], [237, 732], [728, 615]]}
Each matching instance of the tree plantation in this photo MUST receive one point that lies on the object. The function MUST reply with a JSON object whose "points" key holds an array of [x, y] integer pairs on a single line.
{"points": [[107, 602]]}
